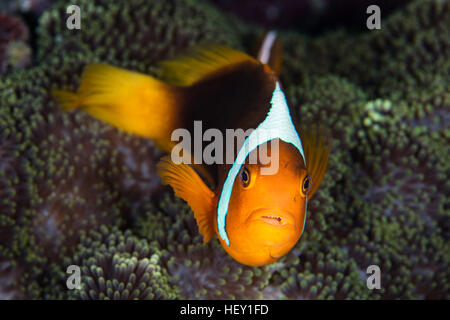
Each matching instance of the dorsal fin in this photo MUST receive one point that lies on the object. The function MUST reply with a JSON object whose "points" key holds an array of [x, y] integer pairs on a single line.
{"points": [[270, 51], [200, 62], [188, 185]]}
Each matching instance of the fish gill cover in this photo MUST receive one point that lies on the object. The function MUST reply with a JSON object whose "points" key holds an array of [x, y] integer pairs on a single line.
{"points": [[74, 190]]}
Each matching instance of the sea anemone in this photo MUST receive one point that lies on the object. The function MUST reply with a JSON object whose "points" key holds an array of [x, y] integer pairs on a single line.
{"points": [[199, 270], [117, 265]]}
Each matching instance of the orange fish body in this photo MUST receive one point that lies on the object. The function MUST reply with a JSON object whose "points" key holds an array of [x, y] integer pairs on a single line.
{"points": [[257, 217]]}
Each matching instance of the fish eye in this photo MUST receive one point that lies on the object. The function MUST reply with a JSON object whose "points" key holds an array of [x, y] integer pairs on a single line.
{"points": [[245, 177], [306, 185]]}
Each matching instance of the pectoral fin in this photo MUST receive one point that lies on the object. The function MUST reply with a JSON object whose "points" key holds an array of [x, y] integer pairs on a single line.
{"points": [[188, 185], [317, 144]]}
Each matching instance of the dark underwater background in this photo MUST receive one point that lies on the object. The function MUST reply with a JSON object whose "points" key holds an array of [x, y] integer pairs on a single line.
{"points": [[74, 190]]}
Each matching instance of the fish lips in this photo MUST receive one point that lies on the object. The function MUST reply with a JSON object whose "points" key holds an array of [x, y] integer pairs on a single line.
{"points": [[278, 218]]}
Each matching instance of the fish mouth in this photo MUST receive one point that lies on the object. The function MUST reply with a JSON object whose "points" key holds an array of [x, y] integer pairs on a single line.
{"points": [[273, 217]]}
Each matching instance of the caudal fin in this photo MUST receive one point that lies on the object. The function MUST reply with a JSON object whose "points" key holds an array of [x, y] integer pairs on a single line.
{"points": [[131, 101]]}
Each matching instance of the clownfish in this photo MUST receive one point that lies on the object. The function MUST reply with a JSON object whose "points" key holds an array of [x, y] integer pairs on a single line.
{"points": [[257, 217]]}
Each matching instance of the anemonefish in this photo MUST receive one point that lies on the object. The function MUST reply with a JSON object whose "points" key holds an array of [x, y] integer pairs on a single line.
{"points": [[258, 218]]}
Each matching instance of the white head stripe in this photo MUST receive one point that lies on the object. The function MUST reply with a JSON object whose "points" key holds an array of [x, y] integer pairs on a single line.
{"points": [[278, 124]]}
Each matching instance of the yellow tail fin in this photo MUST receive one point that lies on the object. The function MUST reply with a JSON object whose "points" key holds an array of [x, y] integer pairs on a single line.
{"points": [[130, 101]]}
